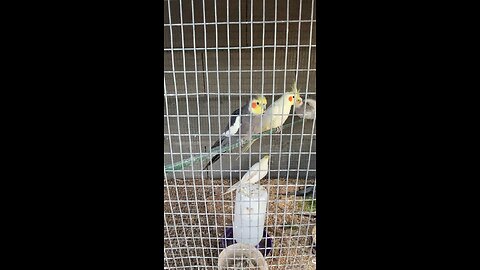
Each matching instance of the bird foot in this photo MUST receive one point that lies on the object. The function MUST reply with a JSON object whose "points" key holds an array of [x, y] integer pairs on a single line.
{"points": [[278, 130]]}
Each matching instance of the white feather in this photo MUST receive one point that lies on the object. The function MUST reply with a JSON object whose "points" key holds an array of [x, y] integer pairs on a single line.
{"points": [[254, 174], [277, 113], [234, 128]]}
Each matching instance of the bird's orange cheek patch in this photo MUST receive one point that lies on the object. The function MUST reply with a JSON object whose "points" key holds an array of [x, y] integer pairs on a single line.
{"points": [[254, 105], [290, 98]]}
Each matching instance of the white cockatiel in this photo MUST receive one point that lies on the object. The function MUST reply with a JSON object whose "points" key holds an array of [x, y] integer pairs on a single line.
{"points": [[276, 115], [307, 110], [254, 174]]}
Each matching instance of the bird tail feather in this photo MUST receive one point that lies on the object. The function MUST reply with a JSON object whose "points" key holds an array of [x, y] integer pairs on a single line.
{"points": [[232, 188], [247, 146], [217, 156], [214, 159]]}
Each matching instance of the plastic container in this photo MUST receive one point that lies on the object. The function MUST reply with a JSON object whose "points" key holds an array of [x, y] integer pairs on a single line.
{"points": [[250, 213], [265, 246], [241, 256]]}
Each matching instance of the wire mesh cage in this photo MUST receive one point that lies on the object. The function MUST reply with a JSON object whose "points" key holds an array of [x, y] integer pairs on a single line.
{"points": [[218, 55]]}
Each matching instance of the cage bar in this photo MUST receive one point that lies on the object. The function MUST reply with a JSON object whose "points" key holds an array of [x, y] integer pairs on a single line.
{"points": [[218, 55]]}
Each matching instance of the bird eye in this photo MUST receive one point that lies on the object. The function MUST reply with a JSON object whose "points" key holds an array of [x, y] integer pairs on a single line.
{"points": [[258, 103]]}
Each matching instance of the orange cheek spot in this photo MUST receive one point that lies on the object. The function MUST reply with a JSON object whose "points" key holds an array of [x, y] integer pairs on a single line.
{"points": [[254, 105], [290, 98]]}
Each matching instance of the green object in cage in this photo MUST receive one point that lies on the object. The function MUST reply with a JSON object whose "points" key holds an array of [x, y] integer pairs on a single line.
{"points": [[187, 162], [308, 205]]}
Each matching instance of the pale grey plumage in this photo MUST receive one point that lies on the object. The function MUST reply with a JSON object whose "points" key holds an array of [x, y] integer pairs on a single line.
{"points": [[307, 110]]}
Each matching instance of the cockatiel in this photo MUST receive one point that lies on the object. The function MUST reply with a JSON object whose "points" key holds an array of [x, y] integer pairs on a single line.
{"points": [[239, 118], [278, 112], [307, 110], [254, 174], [276, 115]]}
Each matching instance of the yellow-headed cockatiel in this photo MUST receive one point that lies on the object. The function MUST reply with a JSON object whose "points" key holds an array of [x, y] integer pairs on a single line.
{"points": [[276, 115], [239, 118]]}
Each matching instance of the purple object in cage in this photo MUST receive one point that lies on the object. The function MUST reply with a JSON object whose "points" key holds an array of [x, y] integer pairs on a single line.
{"points": [[264, 249]]}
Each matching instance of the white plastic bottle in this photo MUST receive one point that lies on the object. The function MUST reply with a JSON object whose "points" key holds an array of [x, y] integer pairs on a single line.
{"points": [[250, 213]]}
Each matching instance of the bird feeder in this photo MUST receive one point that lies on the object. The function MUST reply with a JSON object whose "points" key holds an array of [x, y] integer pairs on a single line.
{"points": [[250, 213]]}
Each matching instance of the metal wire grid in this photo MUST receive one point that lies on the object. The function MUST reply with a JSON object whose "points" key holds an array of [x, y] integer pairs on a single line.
{"points": [[187, 217]]}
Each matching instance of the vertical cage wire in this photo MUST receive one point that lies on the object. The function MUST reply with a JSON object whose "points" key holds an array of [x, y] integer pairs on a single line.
{"points": [[218, 55]]}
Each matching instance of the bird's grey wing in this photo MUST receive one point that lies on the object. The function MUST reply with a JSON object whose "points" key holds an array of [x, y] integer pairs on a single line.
{"points": [[311, 109], [312, 102], [233, 124], [257, 124], [225, 138]]}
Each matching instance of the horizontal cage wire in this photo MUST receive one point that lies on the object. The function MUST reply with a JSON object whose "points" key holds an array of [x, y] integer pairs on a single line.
{"points": [[218, 55]]}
